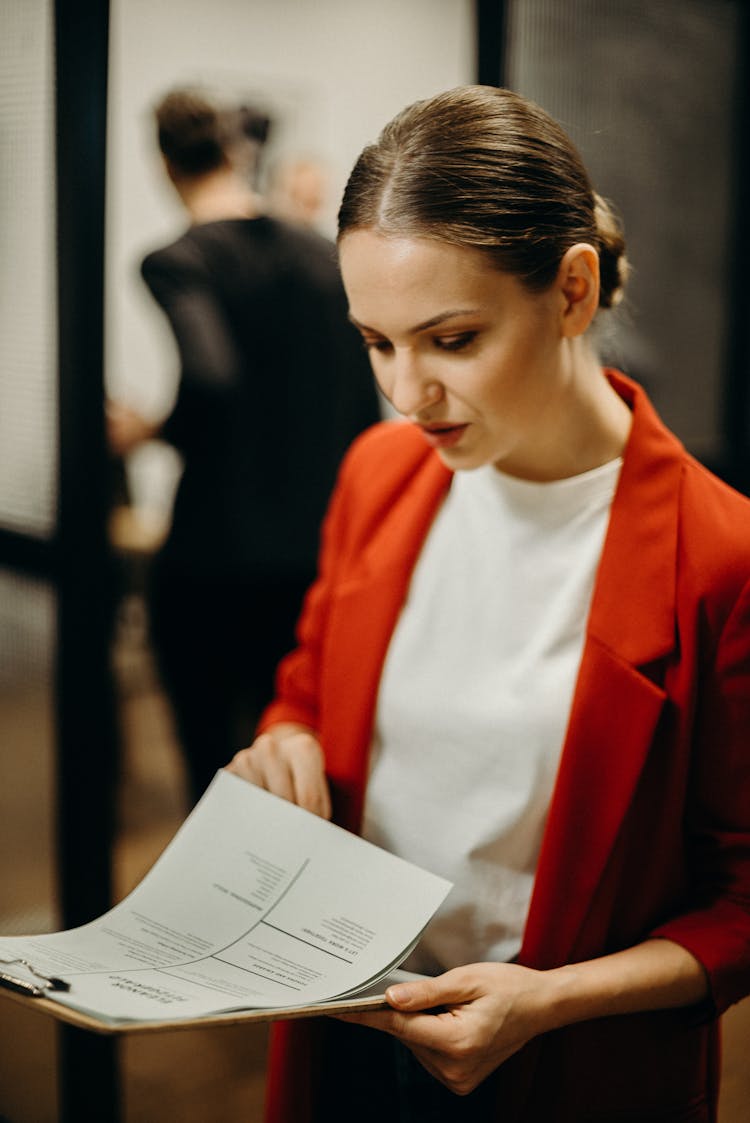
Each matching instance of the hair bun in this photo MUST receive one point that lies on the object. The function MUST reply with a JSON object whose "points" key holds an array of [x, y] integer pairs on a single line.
{"points": [[613, 262], [254, 124]]}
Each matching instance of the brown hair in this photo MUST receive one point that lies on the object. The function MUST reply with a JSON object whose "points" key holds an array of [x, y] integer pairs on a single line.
{"points": [[482, 167], [195, 132]]}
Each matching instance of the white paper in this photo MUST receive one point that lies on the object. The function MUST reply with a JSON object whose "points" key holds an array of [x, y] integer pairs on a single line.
{"points": [[254, 904]]}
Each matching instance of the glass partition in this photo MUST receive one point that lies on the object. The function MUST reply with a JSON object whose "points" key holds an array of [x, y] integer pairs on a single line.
{"points": [[28, 496], [28, 412]]}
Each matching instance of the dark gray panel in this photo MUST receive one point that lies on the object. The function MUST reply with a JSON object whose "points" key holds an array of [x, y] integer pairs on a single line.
{"points": [[646, 90]]}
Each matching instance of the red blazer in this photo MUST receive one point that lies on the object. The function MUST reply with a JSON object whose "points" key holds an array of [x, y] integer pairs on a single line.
{"points": [[649, 827]]}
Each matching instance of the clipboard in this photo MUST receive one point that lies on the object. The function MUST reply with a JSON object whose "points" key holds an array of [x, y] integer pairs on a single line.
{"points": [[89, 1022], [251, 914]]}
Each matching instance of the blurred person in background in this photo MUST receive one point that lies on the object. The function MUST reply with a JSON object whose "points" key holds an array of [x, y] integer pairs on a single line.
{"points": [[298, 191], [274, 385]]}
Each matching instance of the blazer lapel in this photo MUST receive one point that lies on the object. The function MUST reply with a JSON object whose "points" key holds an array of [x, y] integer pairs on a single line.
{"points": [[614, 715], [617, 701], [362, 620]]}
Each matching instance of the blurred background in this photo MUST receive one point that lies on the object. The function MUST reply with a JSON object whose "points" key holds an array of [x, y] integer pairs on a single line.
{"points": [[92, 786]]}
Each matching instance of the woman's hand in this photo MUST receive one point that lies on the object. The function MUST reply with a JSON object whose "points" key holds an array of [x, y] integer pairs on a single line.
{"points": [[287, 760], [126, 428], [488, 1011], [482, 1014]]}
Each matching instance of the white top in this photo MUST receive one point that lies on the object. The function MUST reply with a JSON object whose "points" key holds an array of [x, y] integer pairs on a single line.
{"points": [[475, 696]]}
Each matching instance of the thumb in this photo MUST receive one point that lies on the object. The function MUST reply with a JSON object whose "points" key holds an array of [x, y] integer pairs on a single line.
{"points": [[425, 994]]}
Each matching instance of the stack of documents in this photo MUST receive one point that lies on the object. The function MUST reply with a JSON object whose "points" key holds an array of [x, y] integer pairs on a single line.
{"points": [[256, 906]]}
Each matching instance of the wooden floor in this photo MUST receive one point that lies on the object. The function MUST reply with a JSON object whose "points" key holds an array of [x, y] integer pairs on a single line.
{"points": [[213, 1076], [192, 1076]]}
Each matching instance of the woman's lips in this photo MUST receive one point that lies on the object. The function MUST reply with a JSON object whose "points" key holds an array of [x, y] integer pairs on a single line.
{"points": [[443, 436]]}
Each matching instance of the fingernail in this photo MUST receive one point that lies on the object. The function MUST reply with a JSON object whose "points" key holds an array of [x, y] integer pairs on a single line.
{"points": [[398, 994]]}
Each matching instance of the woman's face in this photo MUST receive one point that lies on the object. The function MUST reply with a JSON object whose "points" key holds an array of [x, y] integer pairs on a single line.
{"points": [[463, 351]]}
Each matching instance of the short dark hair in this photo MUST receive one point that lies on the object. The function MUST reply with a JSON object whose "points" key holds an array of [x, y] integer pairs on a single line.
{"points": [[483, 168], [195, 131]]}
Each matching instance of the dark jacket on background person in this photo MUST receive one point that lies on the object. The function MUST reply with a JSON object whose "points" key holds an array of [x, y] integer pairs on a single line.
{"points": [[274, 386]]}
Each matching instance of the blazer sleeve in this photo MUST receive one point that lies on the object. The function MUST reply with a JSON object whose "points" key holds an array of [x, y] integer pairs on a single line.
{"points": [[210, 363], [716, 929], [298, 676]]}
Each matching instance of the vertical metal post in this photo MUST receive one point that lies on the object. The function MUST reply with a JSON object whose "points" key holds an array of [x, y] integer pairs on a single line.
{"points": [[491, 41], [736, 413], [86, 725]]}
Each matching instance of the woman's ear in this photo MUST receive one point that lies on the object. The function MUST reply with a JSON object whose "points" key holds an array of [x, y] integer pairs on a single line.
{"points": [[578, 284]]}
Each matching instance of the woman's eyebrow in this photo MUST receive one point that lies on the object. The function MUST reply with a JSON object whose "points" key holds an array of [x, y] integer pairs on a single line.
{"points": [[431, 323]]}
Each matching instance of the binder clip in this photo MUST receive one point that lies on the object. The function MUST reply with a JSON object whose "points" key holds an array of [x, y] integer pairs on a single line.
{"points": [[27, 986]]}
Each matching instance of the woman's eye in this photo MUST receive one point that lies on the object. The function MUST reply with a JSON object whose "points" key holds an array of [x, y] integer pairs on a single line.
{"points": [[381, 345], [455, 342]]}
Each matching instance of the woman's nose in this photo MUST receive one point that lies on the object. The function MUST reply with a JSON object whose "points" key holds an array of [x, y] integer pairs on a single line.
{"points": [[411, 389]]}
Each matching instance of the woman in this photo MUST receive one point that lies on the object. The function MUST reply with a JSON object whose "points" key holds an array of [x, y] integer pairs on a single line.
{"points": [[259, 317], [525, 663]]}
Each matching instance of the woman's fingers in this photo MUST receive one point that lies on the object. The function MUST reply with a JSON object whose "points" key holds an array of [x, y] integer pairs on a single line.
{"points": [[309, 782], [461, 1025], [274, 766], [448, 989], [288, 761]]}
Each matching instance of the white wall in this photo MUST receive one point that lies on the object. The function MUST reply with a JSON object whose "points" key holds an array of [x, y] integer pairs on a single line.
{"points": [[332, 71]]}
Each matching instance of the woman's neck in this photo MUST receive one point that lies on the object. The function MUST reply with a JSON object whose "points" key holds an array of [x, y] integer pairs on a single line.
{"points": [[607, 421], [583, 424], [218, 195]]}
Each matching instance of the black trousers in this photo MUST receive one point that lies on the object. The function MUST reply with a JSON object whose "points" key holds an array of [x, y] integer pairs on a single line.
{"points": [[217, 643], [371, 1077]]}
